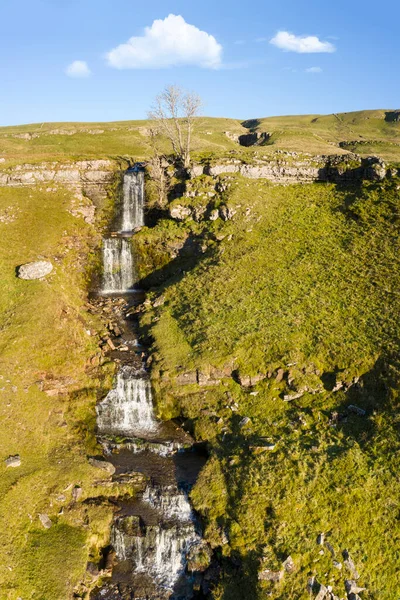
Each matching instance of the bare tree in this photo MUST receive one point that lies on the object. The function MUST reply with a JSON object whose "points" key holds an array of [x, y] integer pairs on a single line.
{"points": [[157, 163], [174, 112]]}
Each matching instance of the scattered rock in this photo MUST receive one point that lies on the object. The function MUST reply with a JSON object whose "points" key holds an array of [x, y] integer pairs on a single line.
{"points": [[322, 593], [180, 212], [102, 464], [45, 521], [244, 422], [289, 565], [294, 396], [226, 213], [250, 380], [330, 548], [268, 575], [351, 587], [76, 493], [159, 301], [356, 410], [349, 564], [337, 565], [35, 270], [279, 375], [321, 539], [13, 461]]}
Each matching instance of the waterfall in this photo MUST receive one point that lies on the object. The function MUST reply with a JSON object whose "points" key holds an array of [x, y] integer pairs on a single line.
{"points": [[171, 502], [118, 268], [160, 552], [133, 200], [128, 407], [155, 530]]}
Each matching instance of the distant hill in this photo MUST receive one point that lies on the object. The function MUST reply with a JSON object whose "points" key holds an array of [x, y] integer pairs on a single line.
{"points": [[364, 132]]}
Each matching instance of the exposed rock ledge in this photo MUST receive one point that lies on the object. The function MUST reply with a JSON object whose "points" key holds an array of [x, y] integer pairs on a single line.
{"points": [[290, 168], [89, 172]]}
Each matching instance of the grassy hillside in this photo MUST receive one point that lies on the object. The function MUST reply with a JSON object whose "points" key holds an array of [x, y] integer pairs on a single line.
{"points": [[296, 289], [300, 290], [48, 391], [315, 134], [371, 131]]}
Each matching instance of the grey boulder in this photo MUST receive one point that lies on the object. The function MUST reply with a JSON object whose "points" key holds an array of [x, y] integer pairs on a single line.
{"points": [[35, 270]]}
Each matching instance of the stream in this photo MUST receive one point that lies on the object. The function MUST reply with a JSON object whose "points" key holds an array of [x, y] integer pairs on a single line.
{"points": [[155, 535]]}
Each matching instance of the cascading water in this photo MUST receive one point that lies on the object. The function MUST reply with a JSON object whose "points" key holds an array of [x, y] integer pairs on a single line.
{"points": [[118, 267], [155, 530], [160, 552], [133, 200], [128, 407]]}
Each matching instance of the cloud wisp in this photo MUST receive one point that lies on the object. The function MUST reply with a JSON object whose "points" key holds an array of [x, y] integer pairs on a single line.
{"points": [[170, 42], [314, 70], [78, 69], [301, 44]]}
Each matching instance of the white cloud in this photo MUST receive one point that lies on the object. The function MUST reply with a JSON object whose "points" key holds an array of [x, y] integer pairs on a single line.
{"points": [[314, 70], [168, 43], [78, 68], [301, 44]]}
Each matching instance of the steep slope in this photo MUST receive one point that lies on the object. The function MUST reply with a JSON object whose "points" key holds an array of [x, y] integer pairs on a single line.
{"points": [[279, 343]]}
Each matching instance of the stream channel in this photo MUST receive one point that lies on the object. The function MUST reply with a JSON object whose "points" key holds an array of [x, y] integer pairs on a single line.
{"points": [[155, 535]]}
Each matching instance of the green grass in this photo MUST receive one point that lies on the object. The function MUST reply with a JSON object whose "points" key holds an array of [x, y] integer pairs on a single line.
{"points": [[315, 134], [44, 337], [304, 278]]}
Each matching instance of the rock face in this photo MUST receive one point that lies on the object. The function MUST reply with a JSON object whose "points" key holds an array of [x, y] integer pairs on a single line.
{"points": [[392, 116], [35, 270], [80, 172], [253, 139], [290, 167]]}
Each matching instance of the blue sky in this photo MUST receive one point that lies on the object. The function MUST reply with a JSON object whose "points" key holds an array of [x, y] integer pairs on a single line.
{"points": [[233, 56]]}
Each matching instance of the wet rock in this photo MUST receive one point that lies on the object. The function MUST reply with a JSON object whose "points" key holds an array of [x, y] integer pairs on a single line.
{"points": [[35, 270], [13, 461], [199, 557], [132, 526], [102, 464], [45, 521]]}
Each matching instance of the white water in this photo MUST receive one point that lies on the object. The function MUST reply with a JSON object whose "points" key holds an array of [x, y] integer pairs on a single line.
{"points": [[171, 502], [133, 201], [118, 269], [161, 552], [128, 407]]}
